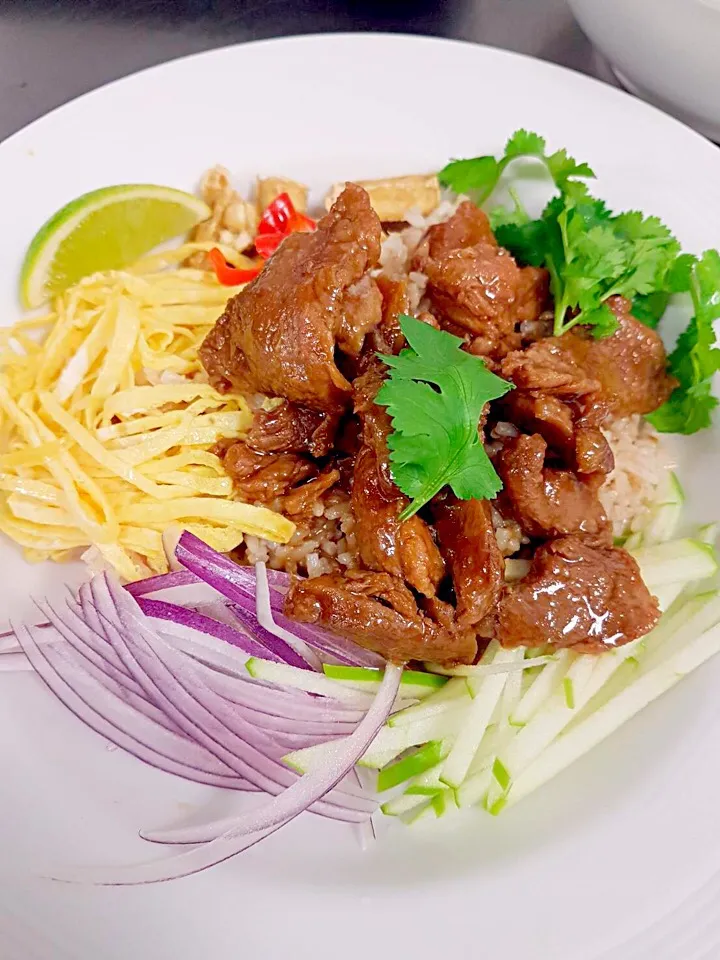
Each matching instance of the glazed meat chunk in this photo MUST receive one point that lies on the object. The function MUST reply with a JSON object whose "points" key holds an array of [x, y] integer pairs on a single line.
{"points": [[375, 423], [593, 453], [544, 414], [278, 335], [385, 544], [562, 425], [290, 428], [467, 227], [300, 500], [467, 541], [545, 501], [483, 292], [378, 612], [476, 287], [615, 376], [577, 595], [262, 477], [387, 337], [362, 307], [406, 549], [550, 367], [630, 365]]}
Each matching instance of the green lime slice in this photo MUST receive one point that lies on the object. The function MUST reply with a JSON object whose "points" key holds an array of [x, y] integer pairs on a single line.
{"points": [[103, 230]]}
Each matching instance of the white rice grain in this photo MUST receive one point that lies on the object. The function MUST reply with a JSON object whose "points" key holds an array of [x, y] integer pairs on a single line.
{"points": [[641, 466]]}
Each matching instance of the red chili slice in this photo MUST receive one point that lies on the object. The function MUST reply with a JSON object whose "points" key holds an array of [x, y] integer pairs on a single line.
{"points": [[228, 275]]}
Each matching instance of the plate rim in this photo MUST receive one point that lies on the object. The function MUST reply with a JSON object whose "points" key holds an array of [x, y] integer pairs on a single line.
{"points": [[362, 36], [710, 884]]}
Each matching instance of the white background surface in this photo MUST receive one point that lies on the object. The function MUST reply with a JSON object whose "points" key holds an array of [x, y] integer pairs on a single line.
{"points": [[579, 871]]}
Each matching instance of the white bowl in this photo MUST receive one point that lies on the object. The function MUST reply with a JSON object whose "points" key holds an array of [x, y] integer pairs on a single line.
{"points": [[665, 51]]}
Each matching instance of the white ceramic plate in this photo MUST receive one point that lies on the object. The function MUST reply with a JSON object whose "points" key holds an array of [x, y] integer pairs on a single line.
{"points": [[616, 858]]}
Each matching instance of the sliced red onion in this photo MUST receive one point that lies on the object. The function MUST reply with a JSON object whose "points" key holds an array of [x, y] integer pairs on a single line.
{"points": [[198, 621], [168, 684], [288, 733], [205, 650], [365, 831], [249, 758], [84, 607], [118, 700], [334, 648], [239, 585], [218, 609], [219, 572], [79, 669], [280, 649], [341, 649], [254, 825], [9, 642], [81, 636], [265, 616], [163, 581], [242, 600], [37, 655], [260, 708], [285, 703]]}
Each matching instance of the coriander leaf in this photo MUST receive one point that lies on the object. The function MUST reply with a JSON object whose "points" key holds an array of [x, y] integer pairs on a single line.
{"points": [[478, 176], [527, 242], [648, 308], [695, 358], [435, 393], [680, 272], [594, 255], [562, 168], [525, 238], [633, 226], [503, 216], [523, 143], [601, 321]]}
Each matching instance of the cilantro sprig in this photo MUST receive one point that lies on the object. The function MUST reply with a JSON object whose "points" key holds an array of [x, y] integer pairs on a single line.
{"points": [[695, 359], [435, 393], [591, 255], [479, 176]]}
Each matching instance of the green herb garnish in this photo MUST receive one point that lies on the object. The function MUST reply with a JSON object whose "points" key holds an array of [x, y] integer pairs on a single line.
{"points": [[435, 393], [695, 358], [592, 254], [480, 175]]}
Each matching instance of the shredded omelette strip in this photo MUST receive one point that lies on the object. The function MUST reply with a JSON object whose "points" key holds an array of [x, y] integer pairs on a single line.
{"points": [[107, 422]]}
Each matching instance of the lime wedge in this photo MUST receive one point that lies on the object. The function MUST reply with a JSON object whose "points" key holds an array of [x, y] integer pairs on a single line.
{"points": [[103, 230]]}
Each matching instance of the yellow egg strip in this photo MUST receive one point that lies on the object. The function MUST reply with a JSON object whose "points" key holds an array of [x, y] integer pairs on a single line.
{"points": [[38, 489], [94, 448], [254, 520], [102, 447], [142, 399], [117, 356], [31, 456], [64, 471]]}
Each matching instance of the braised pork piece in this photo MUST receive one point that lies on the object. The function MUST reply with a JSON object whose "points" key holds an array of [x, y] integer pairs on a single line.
{"points": [[306, 332]]}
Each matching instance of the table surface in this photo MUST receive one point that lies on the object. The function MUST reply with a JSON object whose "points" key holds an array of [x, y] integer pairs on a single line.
{"points": [[54, 50]]}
